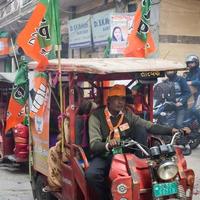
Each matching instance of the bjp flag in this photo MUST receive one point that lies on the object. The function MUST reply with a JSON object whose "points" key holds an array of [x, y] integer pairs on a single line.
{"points": [[140, 41], [41, 32], [19, 96]]}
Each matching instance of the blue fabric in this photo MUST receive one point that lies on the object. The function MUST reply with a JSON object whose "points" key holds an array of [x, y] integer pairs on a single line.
{"points": [[184, 92], [194, 76]]}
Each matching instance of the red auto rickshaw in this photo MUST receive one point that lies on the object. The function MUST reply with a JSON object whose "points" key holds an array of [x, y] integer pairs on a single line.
{"points": [[131, 178], [14, 144]]}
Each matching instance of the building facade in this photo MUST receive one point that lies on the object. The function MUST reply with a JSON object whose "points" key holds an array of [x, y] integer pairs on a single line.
{"points": [[175, 26], [179, 29]]}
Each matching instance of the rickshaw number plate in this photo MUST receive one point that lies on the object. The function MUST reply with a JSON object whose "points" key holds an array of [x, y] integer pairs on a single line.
{"points": [[165, 189]]}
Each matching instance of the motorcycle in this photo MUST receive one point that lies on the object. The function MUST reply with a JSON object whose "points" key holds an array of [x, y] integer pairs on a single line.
{"points": [[161, 175], [194, 138], [165, 114]]}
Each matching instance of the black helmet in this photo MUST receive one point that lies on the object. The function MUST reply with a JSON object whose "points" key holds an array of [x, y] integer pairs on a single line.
{"points": [[192, 59]]}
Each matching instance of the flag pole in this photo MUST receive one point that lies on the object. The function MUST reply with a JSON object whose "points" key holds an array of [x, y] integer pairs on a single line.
{"points": [[12, 44], [61, 95]]}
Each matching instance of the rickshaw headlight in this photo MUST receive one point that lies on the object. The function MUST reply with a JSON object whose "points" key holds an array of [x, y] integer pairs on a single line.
{"points": [[167, 170]]}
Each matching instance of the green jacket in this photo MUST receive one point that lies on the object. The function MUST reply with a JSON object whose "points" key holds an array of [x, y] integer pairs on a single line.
{"points": [[99, 130]]}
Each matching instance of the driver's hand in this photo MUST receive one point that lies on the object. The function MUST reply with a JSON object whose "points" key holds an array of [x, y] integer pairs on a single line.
{"points": [[178, 104], [186, 130], [112, 143], [174, 130]]}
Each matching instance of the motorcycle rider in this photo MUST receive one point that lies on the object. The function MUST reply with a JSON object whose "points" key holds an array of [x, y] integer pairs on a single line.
{"points": [[182, 93], [193, 76], [193, 81], [107, 126]]}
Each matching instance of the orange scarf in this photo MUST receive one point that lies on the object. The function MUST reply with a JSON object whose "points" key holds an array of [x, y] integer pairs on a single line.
{"points": [[113, 129]]}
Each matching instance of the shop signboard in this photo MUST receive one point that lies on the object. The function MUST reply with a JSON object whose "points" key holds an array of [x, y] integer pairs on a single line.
{"points": [[80, 32], [101, 27], [4, 43], [121, 25], [4, 46]]}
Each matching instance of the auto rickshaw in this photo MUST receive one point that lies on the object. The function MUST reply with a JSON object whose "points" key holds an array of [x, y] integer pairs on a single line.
{"points": [[14, 144], [130, 177]]}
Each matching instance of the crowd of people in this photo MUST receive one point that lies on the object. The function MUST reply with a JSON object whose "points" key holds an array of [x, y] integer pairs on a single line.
{"points": [[187, 90]]}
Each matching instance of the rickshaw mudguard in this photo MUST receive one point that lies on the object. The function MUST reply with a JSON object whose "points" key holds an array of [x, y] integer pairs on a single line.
{"points": [[68, 182], [131, 173], [190, 182], [186, 175], [73, 175]]}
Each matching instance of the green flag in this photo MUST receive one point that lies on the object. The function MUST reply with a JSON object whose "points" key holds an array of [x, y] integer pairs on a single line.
{"points": [[143, 28], [50, 26], [107, 48]]}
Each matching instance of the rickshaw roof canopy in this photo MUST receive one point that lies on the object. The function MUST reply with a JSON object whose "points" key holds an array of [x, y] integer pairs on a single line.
{"points": [[111, 65]]}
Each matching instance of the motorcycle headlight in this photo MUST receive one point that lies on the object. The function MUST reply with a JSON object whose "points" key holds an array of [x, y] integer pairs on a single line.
{"points": [[163, 114], [167, 170]]}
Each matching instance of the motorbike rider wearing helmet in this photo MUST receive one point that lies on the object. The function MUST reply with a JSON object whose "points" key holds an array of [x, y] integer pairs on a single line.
{"points": [[107, 126], [182, 93], [193, 76], [193, 80]]}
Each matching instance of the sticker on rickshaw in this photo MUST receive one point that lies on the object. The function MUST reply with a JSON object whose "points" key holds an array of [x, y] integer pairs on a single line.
{"points": [[147, 75], [39, 124]]}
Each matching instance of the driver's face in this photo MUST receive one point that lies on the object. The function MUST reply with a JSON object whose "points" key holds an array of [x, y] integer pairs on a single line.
{"points": [[117, 103]]}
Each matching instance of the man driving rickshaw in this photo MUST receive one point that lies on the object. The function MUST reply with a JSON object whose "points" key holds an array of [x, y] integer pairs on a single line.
{"points": [[95, 72]]}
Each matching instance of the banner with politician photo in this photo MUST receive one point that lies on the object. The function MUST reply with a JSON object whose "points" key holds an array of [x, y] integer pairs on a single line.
{"points": [[120, 25]]}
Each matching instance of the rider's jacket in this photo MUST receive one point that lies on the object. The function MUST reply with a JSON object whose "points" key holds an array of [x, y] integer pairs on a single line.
{"points": [[194, 76], [182, 91]]}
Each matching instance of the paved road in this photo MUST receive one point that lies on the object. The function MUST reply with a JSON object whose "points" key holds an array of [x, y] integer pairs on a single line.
{"points": [[193, 162], [14, 183]]}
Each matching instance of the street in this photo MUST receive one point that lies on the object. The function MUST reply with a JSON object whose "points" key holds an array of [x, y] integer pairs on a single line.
{"points": [[14, 183], [193, 162]]}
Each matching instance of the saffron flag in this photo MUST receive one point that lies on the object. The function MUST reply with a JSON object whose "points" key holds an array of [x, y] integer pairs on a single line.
{"points": [[140, 41], [39, 93], [19, 95], [41, 32]]}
